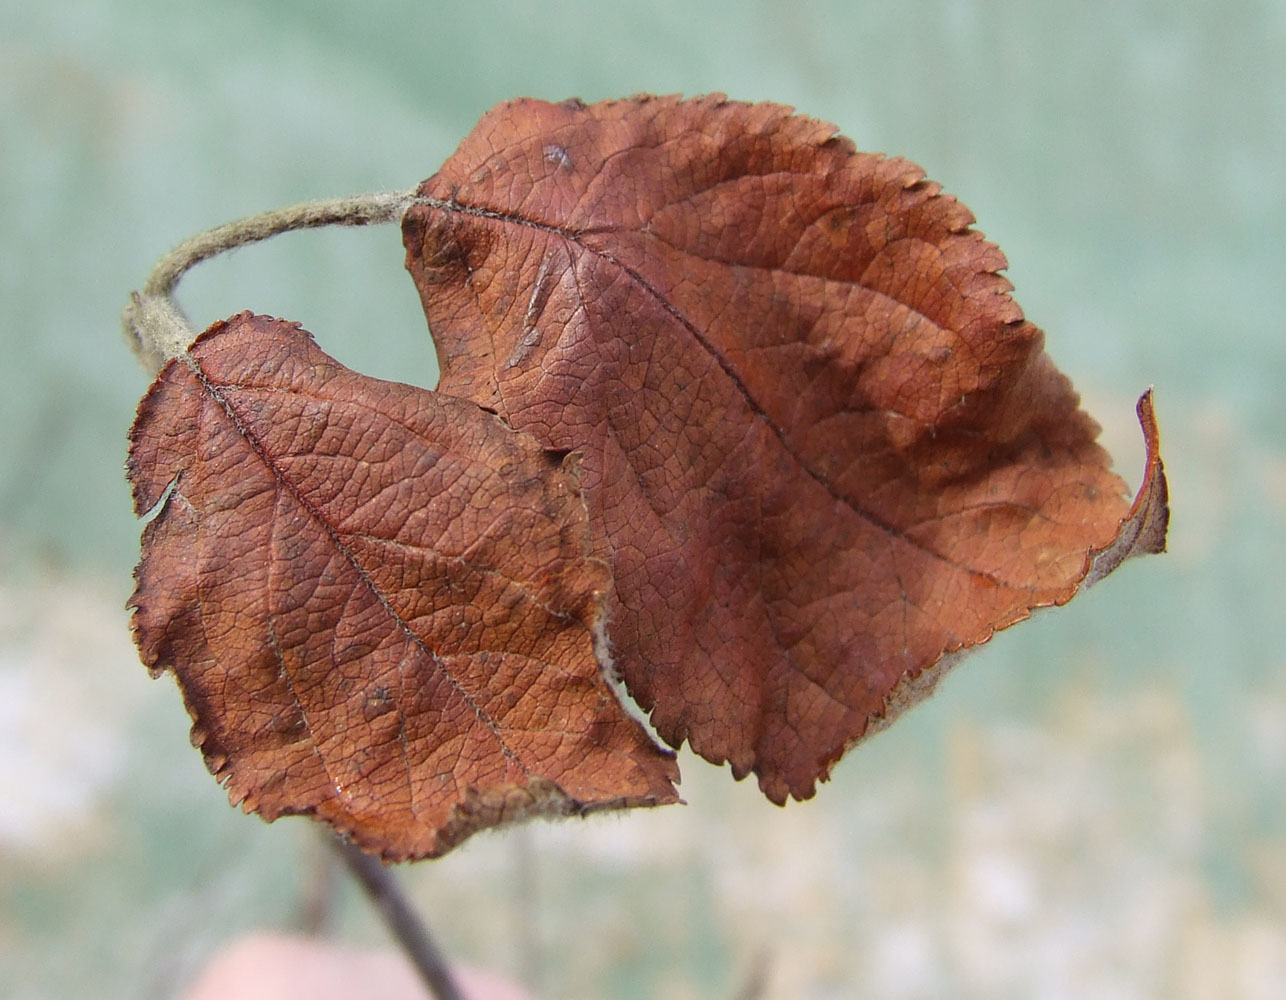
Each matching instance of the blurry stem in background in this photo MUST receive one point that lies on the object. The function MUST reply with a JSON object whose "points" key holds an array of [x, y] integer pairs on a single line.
{"points": [[155, 326], [526, 880], [409, 930], [316, 914]]}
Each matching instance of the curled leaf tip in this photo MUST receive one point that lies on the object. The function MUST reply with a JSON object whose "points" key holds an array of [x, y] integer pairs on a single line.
{"points": [[1143, 530]]}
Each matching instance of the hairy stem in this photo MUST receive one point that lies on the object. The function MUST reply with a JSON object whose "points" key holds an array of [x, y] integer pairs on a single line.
{"points": [[407, 927], [154, 324]]}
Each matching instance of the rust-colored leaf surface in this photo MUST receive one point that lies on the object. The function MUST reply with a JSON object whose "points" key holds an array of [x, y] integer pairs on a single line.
{"points": [[823, 450], [379, 602]]}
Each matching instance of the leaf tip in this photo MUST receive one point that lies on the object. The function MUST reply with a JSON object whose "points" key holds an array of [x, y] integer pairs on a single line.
{"points": [[1143, 530]]}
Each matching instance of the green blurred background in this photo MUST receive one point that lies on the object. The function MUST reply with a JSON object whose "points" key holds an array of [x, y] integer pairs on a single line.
{"points": [[1091, 806]]}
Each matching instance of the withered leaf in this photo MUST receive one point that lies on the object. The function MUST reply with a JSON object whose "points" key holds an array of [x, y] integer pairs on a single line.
{"points": [[823, 450], [378, 601]]}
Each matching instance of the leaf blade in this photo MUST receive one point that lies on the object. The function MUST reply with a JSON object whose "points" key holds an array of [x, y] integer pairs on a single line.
{"points": [[823, 448], [329, 585]]}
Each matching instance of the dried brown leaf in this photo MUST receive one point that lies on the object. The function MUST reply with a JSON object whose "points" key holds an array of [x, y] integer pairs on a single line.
{"points": [[378, 601], [823, 450]]}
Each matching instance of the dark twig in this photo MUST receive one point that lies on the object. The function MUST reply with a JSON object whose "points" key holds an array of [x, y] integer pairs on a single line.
{"points": [[405, 924]]}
